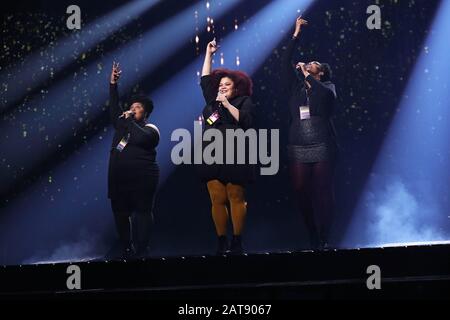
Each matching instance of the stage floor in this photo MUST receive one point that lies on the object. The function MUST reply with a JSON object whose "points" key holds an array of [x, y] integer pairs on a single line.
{"points": [[409, 271]]}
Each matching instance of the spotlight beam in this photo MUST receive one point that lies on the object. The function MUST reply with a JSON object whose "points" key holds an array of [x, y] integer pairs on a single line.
{"points": [[411, 171], [43, 66]]}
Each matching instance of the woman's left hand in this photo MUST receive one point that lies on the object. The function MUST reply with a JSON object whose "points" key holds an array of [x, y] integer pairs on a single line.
{"points": [[223, 99], [302, 67]]}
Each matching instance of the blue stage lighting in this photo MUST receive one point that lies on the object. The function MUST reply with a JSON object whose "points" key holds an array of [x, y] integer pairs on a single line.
{"points": [[64, 215], [406, 197], [38, 68]]}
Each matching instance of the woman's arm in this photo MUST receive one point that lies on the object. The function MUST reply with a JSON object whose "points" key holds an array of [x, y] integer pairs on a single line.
{"points": [[320, 86], [114, 110], [147, 135], [227, 105], [233, 110], [209, 93], [211, 48], [244, 115], [288, 73]]}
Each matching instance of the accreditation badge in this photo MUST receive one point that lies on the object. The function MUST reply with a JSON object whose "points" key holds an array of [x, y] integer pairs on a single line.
{"points": [[123, 143], [304, 113], [213, 118]]}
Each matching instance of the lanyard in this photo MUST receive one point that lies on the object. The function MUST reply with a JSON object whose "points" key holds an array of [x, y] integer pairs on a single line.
{"points": [[308, 94], [123, 143]]}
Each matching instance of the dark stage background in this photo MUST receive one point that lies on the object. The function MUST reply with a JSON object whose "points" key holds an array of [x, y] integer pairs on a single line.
{"points": [[55, 132]]}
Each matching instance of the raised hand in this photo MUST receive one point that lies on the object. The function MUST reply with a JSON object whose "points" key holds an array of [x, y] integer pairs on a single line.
{"points": [[299, 23], [212, 47], [115, 73]]}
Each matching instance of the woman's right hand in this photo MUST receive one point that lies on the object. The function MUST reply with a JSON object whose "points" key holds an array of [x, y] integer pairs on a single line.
{"points": [[127, 114], [298, 25], [115, 73], [211, 48]]}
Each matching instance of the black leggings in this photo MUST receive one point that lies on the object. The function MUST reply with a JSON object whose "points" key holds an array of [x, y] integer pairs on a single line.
{"points": [[135, 228], [313, 187]]}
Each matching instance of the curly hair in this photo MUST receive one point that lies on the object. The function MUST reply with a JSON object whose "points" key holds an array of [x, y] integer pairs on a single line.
{"points": [[242, 81]]}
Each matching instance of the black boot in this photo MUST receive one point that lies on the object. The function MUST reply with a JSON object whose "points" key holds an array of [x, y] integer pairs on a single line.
{"points": [[324, 244], [142, 225], [128, 252], [324, 239], [143, 252], [222, 245], [314, 241], [236, 245]]}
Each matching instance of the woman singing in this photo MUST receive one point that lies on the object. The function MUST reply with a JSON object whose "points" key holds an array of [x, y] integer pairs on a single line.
{"points": [[228, 106], [133, 172], [312, 140]]}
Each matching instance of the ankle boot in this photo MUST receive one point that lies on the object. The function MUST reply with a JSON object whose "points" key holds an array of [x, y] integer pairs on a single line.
{"points": [[128, 251], [222, 245], [236, 245]]}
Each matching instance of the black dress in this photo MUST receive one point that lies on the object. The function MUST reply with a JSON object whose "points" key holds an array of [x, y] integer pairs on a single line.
{"points": [[314, 139], [134, 169], [235, 173]]}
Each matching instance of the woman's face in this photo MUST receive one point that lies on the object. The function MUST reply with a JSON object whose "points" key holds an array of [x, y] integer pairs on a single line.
{"points": [[313, 67], [226, 87], [139, 111]]}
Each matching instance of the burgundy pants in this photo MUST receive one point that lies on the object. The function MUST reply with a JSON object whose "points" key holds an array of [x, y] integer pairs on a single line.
{"points": [[313, 187]]}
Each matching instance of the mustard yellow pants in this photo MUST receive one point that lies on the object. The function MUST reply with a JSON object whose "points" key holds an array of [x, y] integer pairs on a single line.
{"points": [[222, 195]]}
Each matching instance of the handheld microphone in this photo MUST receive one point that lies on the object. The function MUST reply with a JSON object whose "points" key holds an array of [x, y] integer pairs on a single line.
{"points": [[123, 115], [220, 102]]}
